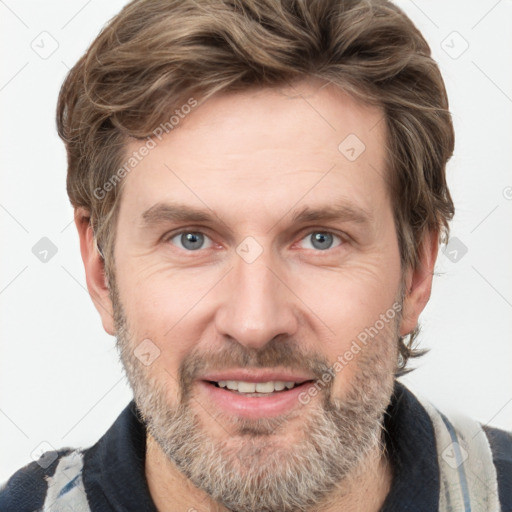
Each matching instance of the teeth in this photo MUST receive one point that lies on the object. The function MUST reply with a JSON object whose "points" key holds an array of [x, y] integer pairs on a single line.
{"points": [[263, 387], [246, 387], [259, 387]]}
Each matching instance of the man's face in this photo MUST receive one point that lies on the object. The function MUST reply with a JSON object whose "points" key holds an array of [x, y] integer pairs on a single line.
{"points": [[254, 293]]}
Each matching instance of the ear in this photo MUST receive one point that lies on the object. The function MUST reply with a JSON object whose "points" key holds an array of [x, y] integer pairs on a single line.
{"points": [[94, 270], [418, 283]]}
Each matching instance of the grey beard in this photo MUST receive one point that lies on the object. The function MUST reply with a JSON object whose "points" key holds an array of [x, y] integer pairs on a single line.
{"points": [[260, 475], [254, 469]]}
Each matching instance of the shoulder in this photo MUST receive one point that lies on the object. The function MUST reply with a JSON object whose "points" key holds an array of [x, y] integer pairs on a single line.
{"points": [[486, 475], [27, 489], [500, 442]]}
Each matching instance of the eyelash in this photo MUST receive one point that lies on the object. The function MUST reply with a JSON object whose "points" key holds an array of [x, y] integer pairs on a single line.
{"points": [[342, 237]]}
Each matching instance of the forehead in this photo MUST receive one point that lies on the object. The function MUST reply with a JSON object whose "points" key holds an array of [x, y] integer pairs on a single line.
{"points": [[269, 148]]}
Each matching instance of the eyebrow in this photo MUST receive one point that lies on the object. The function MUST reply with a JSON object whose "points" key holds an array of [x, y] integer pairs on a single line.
{"points": [[343, 210]]}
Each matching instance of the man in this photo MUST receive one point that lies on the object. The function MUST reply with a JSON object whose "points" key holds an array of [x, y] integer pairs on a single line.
{"points": [[260, 192]]}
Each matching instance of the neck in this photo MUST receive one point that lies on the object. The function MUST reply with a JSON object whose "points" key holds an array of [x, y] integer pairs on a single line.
{"points": [[365, 491]]}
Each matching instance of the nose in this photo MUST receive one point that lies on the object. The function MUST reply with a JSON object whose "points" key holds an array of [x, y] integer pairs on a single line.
{"points": [[258, 305]]}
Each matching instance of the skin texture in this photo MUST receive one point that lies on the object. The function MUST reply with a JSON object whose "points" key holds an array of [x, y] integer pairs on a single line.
{"points": [[251, 160]]}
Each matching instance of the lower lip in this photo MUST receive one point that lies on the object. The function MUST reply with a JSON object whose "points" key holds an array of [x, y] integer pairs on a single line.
{"points": [[254, 407]]}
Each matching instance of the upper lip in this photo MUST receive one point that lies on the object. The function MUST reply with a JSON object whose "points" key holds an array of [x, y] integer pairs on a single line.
{"points": [[247, 375]]}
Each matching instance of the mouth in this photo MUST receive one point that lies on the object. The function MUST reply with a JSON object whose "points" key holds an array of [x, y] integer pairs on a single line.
{"points": [[257, 389], [254, 396]]}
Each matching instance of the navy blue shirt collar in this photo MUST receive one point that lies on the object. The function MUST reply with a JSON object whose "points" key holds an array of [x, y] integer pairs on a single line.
{"points": [[411, 446]]}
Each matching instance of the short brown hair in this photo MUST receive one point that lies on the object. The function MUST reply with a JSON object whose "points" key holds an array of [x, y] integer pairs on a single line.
{"points": [[155, 54]]}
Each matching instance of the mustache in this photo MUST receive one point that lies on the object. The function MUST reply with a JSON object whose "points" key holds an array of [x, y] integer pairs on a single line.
{"points": [[278, 353]]}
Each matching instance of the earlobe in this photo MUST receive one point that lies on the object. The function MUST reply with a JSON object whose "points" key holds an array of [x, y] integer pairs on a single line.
{"points": [[94, 266], [418, 283]]}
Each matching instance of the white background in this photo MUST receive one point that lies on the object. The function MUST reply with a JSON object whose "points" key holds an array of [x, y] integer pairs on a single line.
{"points": [[60, 379]]}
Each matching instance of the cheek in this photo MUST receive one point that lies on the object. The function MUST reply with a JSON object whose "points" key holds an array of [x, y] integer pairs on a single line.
{"points": [[170, 309], [357, 304], [156, 297], [348, 299]]}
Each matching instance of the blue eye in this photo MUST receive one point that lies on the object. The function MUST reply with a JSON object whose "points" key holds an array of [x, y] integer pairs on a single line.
{"points": [[321, 240], [190, 240]]}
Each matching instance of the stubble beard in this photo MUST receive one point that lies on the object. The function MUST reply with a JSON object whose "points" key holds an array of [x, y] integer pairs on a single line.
{"points": [[254, 468]]}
